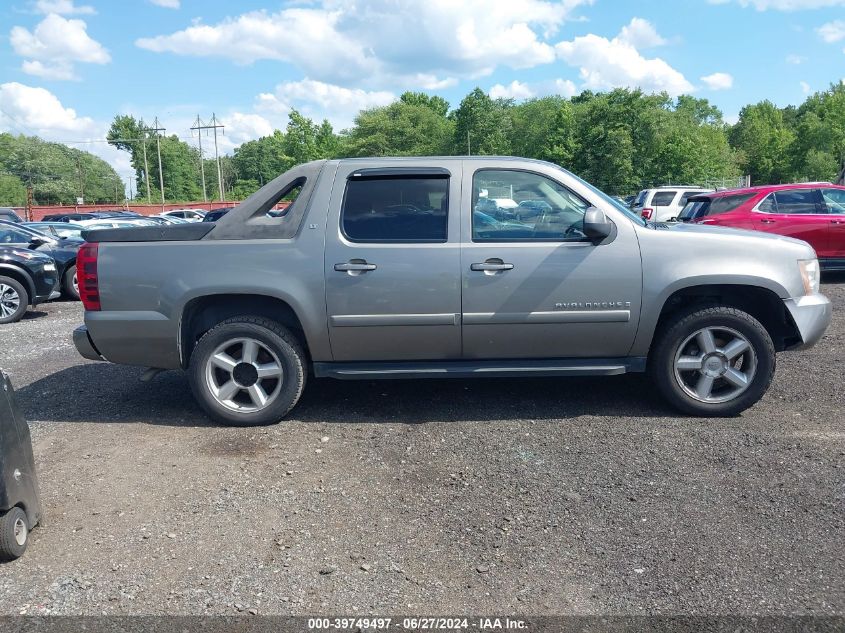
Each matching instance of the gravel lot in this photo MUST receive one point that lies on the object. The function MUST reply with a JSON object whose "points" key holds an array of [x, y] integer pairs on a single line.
{"points": [[509, 496]]}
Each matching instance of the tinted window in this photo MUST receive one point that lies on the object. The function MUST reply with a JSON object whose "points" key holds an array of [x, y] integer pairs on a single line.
{"points": [[686, 196], [396, 209], [549, 212], [640, 199], [693, 209], [798, 201], [663, 198], [834, 200], [13, 236], [768, 205]]}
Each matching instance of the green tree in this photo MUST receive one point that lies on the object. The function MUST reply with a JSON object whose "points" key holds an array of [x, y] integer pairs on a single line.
{"points": [[764, 143], [438, 105], [482, 125], [399, 129]]}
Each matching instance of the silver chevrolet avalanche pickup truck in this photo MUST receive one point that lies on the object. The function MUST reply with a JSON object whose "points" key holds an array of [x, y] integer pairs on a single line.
{"points": [[409, 268]]}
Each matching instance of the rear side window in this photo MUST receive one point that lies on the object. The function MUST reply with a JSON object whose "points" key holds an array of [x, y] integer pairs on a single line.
{"points": [[686, 196], [834, 199], [796, 202], [663, 198], [396, 209]]}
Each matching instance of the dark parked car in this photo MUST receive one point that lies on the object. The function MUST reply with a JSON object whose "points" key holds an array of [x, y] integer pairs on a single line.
{"points": [[94, 215], [57, 229], [26, 278], [63, 251], [9, 215], [20, 508], [216, 214]]}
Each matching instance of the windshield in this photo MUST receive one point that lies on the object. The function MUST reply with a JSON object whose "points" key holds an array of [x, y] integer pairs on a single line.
{"points": [[614, 203]]}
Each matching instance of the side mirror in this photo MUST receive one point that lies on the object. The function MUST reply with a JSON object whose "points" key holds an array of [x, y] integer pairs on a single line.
{"points": [[596, 225], [36, 241]]}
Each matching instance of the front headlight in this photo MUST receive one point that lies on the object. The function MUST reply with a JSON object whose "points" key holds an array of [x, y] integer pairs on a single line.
{"points": [[810, 274], [50, 267]]}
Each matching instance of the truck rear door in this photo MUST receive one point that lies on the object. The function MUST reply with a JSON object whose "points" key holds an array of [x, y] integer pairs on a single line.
{"points": [[392, 263]]}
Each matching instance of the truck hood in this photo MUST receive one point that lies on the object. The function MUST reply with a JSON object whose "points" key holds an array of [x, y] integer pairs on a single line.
{"points": [[705, 230]]}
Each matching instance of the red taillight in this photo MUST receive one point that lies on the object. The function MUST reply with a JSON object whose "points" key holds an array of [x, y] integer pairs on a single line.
{"points": [[647, 214], [86, 275]]}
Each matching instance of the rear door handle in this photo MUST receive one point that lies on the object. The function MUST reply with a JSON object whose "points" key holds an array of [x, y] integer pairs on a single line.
{"points": [[491, 266], [768, 221], [355, 266], [837, 221]]}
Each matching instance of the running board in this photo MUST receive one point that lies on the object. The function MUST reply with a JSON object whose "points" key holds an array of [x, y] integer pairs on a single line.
{"points": [[480, 369]]}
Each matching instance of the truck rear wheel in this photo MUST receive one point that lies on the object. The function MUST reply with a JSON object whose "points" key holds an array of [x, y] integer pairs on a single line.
{"points": [[13, 300], [714, 361], [247, 371]]}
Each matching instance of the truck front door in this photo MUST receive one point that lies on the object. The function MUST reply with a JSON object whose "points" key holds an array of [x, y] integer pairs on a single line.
{"points": [[392, 263], [534, 287]]}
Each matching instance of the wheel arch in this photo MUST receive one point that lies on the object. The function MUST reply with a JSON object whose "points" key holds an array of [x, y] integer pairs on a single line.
{"points": [[202, 313], [763, 303], [21, 276]]}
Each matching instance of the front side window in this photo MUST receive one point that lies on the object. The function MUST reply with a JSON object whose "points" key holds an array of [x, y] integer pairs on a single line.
{"points": [[796, 202], [396, 209], [663, 198], [834, 199], [547, 211]]}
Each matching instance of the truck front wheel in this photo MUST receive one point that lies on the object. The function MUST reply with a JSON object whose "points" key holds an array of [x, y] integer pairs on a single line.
{"points": [[714, 361], [247, 371]]}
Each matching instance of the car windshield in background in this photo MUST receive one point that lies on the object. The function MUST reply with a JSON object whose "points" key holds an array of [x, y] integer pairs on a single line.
{"points": [[700, 206]]}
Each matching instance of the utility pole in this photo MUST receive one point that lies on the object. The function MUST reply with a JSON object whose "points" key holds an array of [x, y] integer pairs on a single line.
{"points": [[157, 129], [214, 125], [146, 166], [199, 127], [81, 179], [469, 149]]}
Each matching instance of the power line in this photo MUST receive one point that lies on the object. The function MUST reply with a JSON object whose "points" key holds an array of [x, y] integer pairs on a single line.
{"points": [[155, 129]]}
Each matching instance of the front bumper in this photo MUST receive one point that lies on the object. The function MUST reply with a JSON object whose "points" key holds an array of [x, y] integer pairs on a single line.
{"points": [[84, 345], [811, 314]]}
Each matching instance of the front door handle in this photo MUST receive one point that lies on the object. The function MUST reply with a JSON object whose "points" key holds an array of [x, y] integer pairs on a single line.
{"points": [[837, 221], [355, 266], [768, 221], [491, 266]]}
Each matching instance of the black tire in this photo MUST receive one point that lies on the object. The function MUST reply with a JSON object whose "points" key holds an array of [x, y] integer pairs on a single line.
{"points": [[10, 524], [69, 289], [276, 339], [23, 300], [676, 330]]}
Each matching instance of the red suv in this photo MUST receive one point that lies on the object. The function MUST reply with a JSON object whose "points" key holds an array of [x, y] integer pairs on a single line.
{"points": [[811, 212]]}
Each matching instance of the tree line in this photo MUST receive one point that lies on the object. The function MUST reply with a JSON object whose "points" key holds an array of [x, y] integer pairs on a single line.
{"points": [[55, 172], [621, 141]]}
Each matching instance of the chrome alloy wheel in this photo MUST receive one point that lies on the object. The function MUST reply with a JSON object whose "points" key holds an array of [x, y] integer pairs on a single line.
{"points": [[244, 375], [10, 301], [20, 532], [715, 364]]}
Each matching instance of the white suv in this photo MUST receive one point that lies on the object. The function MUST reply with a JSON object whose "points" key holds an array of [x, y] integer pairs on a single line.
{"points": [[664, 203]]}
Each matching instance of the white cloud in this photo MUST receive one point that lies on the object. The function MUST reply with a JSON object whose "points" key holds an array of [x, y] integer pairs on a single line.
{"points": [[832, 31], [518, 90], [37, 111], [795, 60], [167, 4], [640, 34], [383, 42], [784, 5], [55, 45], [718, 81], [605, 64], [514, 90], [805, 87], [58, 70], [319, 100], [62, 7]]}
